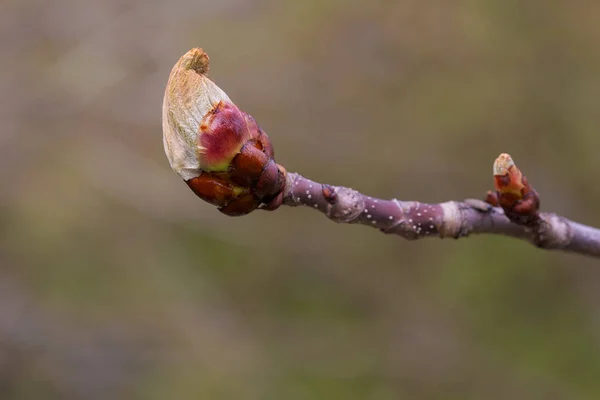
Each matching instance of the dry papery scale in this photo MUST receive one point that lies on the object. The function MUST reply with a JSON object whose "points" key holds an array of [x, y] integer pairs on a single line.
{"points": [[228, 160]]}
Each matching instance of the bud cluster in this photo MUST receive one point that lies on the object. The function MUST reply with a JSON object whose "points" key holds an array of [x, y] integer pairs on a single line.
{"points": [[216, 148]]}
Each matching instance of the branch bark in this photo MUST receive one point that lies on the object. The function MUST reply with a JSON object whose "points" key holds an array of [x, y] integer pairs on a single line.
{"points": [[453, 219]]}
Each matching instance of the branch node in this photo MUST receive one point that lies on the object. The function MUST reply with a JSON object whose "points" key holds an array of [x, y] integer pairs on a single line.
{"points": [[347, 205], [552, 232], [453, 221], [329, 193]]}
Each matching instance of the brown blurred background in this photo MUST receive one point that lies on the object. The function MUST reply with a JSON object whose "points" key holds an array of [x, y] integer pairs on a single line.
{"points": [[116, 282]]}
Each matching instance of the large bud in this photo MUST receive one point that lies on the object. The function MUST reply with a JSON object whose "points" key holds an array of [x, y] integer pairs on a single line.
{"points": [[218, 150]]}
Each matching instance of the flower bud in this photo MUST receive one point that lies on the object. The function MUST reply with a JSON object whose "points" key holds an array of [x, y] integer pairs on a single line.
{"points": [[514, 194], [219, 150], [191, 101]]}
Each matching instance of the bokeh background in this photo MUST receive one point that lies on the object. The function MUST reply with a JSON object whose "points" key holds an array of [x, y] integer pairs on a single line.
{"points": [[116, 282]]}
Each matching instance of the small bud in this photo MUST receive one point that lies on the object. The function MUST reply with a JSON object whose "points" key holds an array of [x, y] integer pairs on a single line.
{"points": [[219, 150], [491, 198], [508, 179], [513, 192]]}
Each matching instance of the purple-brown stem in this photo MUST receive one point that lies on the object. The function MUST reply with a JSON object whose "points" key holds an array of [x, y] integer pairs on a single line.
{"points": [[415, 220]]}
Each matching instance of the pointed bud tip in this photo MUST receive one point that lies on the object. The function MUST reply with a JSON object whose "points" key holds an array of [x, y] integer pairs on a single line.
{"points": [[195, 59], [502, 164]]}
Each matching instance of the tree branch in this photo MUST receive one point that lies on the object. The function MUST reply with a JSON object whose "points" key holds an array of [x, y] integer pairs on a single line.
{"points": [[226, 158], [453, 219]]}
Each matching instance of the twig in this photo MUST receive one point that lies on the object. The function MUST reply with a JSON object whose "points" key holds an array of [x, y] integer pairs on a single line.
{"points": [[453, 219]]}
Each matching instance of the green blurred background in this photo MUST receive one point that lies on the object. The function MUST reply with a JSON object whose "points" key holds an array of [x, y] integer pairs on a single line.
{"points": [[116, 282]]}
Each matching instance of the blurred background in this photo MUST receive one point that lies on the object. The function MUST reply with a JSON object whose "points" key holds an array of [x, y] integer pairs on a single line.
{"points": [[116, 282]]}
